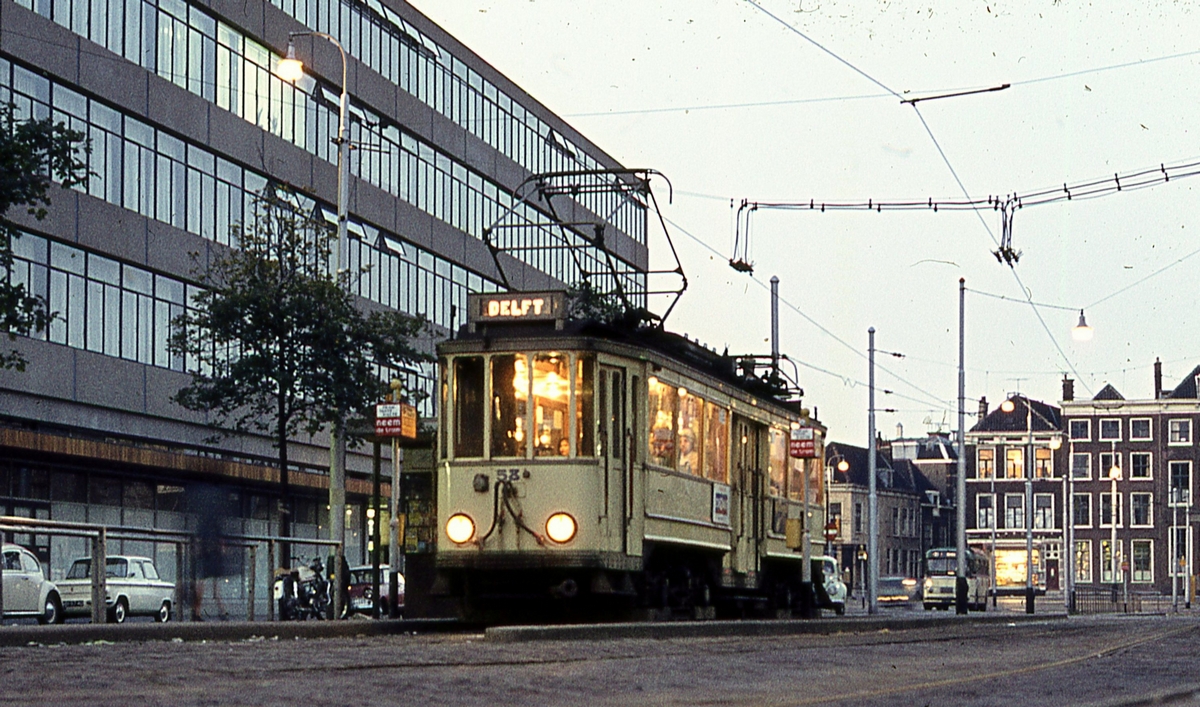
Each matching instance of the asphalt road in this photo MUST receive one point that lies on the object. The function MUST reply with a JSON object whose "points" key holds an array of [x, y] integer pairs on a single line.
{"points": [[1059, 661]]}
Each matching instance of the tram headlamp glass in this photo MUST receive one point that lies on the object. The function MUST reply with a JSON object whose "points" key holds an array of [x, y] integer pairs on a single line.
{"points": [[560, 528], [928, 583], [460, 528]]}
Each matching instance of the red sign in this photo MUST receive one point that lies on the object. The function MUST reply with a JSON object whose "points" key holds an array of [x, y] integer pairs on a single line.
{"points": [[831, 530], [396, 420], [803, 443]]}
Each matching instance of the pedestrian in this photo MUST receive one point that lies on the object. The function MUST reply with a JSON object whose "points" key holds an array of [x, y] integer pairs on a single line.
{"points": [[210, 551]]}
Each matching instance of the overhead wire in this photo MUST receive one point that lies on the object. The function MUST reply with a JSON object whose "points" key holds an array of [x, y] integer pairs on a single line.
{"points": [[845, 379], [949, 166]]}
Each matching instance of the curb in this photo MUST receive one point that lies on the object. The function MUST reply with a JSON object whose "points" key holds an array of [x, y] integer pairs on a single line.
{"points": [[764, 627]]}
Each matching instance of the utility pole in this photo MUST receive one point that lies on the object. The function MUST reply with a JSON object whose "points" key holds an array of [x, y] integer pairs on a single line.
{"points": [[960, 482], [872, 495]]}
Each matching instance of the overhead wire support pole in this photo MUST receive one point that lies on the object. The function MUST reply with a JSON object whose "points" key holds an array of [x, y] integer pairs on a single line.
{"points": [[872, 491], [960, 481]]}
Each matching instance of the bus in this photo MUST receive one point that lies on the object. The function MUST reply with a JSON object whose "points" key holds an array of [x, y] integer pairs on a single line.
{"points": [[941, 571]]}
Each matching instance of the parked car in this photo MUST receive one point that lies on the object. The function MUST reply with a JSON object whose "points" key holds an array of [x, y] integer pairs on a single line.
{"points": [[898, 590], [834, 586], [361, 588], [132, 588], [27, 592]]}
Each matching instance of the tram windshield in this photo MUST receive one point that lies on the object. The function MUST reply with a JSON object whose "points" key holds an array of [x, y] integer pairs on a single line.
{"points": [[530, 410]]}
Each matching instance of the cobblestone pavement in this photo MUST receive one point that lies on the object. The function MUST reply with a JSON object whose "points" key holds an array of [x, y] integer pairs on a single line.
{"points": [[1074, 661]]}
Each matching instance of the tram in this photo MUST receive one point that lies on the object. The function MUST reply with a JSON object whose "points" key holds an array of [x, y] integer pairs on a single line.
{"points": [[592, 469]]}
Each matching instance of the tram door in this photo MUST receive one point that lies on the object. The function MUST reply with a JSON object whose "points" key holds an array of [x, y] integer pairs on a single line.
{"points": [[617, 450], [747, 479]]}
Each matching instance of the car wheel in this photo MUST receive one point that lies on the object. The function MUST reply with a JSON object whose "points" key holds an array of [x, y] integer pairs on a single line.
{"points": [[164, 613], [117, 614], [52, 612]]}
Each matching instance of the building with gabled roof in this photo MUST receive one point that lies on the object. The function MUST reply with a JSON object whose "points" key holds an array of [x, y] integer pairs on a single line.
{"points": [[1149, 445]]}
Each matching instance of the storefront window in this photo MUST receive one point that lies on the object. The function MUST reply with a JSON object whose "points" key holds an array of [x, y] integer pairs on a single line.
{"points": [[468, 406], [663, 401], [510, 393], [1083, 561], [551, 396]]}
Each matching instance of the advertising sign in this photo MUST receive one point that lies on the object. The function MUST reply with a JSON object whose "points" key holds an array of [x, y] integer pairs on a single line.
{"points": [[720, 504]]}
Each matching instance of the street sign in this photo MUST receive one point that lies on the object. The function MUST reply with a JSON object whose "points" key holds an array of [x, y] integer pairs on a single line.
{"points": [[396, 420], [831, 531], [803, 443]]}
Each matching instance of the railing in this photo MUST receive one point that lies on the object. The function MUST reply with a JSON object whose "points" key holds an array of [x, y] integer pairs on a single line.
{"points": [[180, 539], [1114, 600]]}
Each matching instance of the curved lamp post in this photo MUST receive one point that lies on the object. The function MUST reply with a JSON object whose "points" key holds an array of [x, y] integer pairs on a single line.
{"points": [[291, 69]]}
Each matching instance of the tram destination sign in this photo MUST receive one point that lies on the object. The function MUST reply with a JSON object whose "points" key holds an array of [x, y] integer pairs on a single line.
{"points": [[509, 307]]}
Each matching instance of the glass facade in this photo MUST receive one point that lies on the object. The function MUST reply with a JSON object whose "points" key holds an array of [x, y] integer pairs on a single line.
{"points": [[216, 61]]}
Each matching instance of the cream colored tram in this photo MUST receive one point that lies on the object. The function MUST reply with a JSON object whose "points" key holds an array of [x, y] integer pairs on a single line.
{"points": [[586, 468]]}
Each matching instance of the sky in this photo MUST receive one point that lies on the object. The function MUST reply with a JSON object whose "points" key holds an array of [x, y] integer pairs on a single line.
{"points": [[787, 100]]}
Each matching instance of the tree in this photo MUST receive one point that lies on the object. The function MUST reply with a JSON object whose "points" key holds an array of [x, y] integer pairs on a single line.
{"points": [[33, 155], [276, 345]]}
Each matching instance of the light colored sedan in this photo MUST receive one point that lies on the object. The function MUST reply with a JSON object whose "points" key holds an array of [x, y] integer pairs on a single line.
{"points": [[27, 592], [132, 584]]}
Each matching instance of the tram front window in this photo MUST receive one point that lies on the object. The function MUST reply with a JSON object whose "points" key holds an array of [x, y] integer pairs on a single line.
{"points": [[510, 393], [551, 395]]}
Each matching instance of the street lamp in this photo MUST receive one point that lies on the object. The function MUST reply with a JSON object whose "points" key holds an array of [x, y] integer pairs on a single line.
{"points": [[1029, 467], [1114, 473], [291, 69], [1082, 332]]}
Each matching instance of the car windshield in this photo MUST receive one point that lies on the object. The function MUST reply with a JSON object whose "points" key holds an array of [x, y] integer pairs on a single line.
{"points": [[113, 567]]}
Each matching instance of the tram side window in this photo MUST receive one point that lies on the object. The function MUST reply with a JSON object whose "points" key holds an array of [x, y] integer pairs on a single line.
{"points": [[584, 427], [796, 469], [510, 393], [468, 406], [691, 420], [662, 405], [551, 397], [779, 461], [716, 444]]}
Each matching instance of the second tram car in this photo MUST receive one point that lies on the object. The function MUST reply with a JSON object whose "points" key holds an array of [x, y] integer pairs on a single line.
{"points": [[598, 468]]}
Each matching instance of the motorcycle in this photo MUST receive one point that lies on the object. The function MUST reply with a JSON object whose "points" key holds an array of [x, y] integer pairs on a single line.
{"points": [[302, 592]]}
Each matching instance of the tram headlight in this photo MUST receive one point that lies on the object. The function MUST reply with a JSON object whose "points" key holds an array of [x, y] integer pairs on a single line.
{"points": [[560, 527], [460, 528], [928, 583]]}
